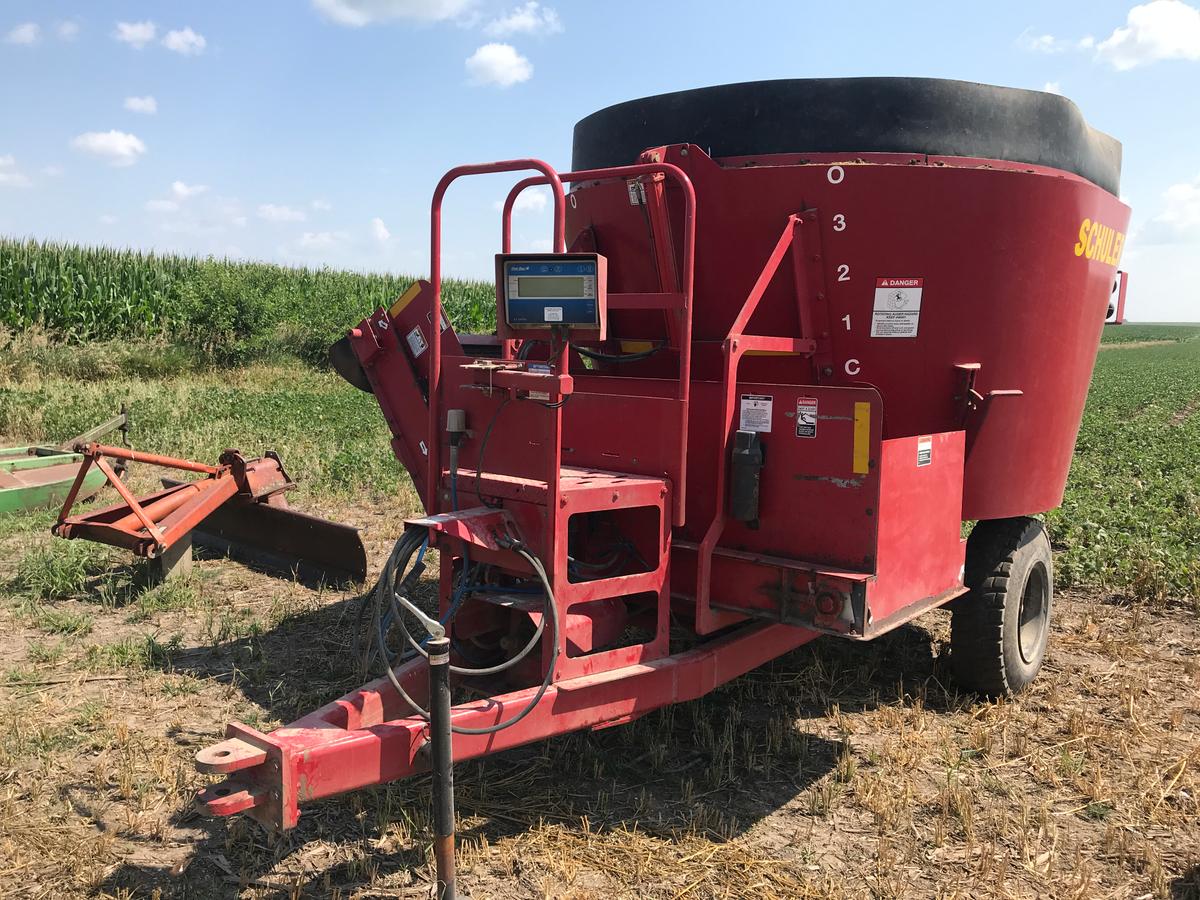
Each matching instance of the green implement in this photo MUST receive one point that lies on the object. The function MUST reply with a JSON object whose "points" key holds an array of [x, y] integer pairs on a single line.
{"points": [[39, 477]]}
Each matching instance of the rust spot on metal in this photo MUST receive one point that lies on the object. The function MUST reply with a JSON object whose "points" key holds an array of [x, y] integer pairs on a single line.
{"points": [[832, 479]]}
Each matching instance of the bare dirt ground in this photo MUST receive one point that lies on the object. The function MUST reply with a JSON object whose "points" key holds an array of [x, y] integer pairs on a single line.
{"points": [[840, 770]]}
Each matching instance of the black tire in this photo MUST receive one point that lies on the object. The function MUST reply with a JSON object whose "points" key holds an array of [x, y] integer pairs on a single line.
{"points": [[999, 631]]}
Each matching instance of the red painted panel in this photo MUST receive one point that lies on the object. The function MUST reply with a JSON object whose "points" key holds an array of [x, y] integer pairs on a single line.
{"points": [[813, 505], [920, 550]]}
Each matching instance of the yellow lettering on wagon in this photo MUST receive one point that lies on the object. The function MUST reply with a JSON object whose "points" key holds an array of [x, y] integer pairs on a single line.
{"points": [[1084, 227], [1099, 242]]}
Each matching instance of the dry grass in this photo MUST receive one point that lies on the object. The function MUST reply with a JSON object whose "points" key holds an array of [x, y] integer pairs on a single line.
{"points": [[838, 771]]}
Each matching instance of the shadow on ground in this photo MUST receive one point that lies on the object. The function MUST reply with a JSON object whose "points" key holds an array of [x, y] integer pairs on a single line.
{"points": [[715, 766], [1187, 885]]}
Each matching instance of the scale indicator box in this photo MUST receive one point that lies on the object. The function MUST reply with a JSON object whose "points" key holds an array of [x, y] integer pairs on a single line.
{"points": [[540, 292]]}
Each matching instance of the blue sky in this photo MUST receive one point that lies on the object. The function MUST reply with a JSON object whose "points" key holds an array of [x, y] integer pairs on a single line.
{"points": [[313, 131]]}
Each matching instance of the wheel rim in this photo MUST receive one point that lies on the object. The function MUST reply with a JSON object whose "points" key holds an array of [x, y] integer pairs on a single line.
{"points": [[1031, 626]]}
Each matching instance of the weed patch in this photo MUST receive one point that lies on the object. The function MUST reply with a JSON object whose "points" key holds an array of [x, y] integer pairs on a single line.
{"points": [[60, 569]]}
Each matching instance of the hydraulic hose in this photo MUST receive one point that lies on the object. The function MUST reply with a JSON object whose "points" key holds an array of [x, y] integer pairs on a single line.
{"points": [[386, 588]]}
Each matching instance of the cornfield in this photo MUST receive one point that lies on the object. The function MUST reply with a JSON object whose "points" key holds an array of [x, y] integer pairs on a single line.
{"points": [[80, 294]]}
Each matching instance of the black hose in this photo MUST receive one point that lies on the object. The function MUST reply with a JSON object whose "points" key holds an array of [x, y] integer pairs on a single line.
{"points": [[464, 670], [597, 355], [385, 587], [618, 357], [552, 609]]}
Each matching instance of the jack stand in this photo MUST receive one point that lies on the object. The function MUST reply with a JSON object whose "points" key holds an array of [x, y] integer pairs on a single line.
{"points": [[175, 561], [440, 738]]}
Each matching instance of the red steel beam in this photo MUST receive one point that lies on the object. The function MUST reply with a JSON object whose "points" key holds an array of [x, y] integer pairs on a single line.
{"points": [[737, 343], [347, 744]]}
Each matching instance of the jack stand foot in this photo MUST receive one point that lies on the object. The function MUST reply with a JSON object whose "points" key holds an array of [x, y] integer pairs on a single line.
{"points": [[175, 562]]}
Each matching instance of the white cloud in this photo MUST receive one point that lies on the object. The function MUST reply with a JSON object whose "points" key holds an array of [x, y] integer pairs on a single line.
{"points": [[322, 205], [1052, 87], [185, 41], [379, 231], [146, 105], [183, 191], [357, 13], [1161, 29], [1178, 220], [25, 33], [67, 31], [230, 209], [1041, 43], [530, 200], [10, 175], [108, 219], [498, 64], [136, 34], [313, 240], [118, 147], [532, 18], [162, 206], [274, 213]]}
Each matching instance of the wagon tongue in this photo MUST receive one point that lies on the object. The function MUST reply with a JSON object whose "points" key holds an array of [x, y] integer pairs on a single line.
{"points": [[238, 508]]}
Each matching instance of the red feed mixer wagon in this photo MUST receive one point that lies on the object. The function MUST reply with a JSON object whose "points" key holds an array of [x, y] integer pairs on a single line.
{"points": [[791, 335]]}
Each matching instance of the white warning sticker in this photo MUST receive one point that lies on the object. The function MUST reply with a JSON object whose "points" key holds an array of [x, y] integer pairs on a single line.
{"points": [[552, 314], [924, 451], [806, 417], [756, 412], [897, 311], [416, 341]]}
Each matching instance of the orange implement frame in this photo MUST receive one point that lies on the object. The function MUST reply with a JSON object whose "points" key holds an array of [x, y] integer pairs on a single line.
{"points": [[150, 525]]}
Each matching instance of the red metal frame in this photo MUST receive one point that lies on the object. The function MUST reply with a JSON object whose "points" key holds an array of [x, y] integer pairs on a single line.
{"points": [[364, 738], [434, 466], [737, 343], [670, 301]]}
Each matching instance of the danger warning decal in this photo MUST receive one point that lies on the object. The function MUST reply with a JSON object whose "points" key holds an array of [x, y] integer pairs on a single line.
{"points": [[806, 417], [897, 311]]}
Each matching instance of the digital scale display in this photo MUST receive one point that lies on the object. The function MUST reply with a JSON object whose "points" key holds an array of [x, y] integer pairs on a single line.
{"points": [[550, 291], [570, 286]]}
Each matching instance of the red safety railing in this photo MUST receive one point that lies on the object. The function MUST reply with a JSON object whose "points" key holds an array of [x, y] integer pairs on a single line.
{"points": [[680, 177], [551, 177]]}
